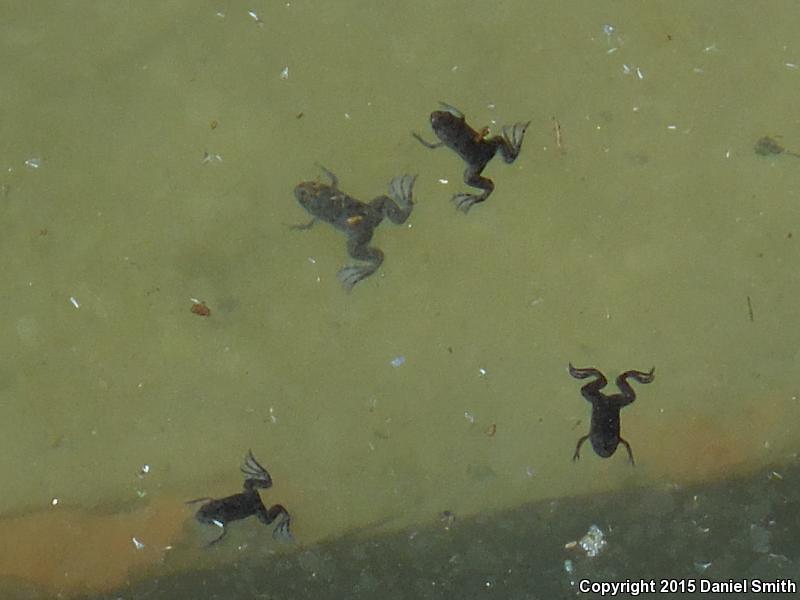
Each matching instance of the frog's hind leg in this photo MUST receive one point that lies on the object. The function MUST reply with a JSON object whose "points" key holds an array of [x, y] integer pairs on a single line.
{"points": [[357, 248], [256, 476], [591, 390], [281, 531], [628, 394], [465, 201], [398, 205], [511, 141], [630, 452], [577, 453]]}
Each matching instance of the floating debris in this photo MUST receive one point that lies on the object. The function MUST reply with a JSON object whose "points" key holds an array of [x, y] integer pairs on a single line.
{"points": [[491, 430], [593, 543], [255, 17], [74, 301], [199, 308], [398, 361], [209, 157], [767, 146], [137, 544], [285, 73], [33, 163]]}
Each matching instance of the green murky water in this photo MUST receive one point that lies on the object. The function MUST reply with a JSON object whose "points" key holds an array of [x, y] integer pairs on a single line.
{"points": [[654, 235]]}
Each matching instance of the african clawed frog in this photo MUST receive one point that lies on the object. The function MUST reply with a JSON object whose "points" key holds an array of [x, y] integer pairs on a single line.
{"points": [[604, 431], [451, 127]]}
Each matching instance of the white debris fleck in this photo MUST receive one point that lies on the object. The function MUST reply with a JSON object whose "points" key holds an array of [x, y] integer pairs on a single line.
{"points": [[593, 543], [54, 502], [701, 567], [74, 301], [398, 361], [711, 48], [444, 181], [144, 470], [272, 416], [347, 116], [220, 14], [609, 29], [285, 73], [255, 17], [639, 73], [792, 66], [482, 372], [218, 523], [209, 157], [469, 416], [672, 127], [530, 471], [137, 544], [312, 260], [33, 163], [626, 69]]}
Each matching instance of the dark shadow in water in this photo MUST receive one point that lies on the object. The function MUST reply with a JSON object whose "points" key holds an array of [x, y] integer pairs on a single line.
{"points": [[731, 530]]}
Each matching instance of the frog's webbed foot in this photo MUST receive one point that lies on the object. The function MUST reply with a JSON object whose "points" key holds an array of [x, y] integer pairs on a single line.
{"points": [[255, 474], [282, 531], [401, 191], [464, 201], [513, 136], [425, 143], [350, 275]]}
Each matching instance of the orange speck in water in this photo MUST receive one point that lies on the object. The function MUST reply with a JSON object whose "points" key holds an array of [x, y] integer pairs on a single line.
{"points": [[200, 309]]}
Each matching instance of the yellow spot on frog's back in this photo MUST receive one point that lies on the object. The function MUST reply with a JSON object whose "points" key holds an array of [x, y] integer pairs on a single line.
{"points": [[479, 135], [354, 220]]}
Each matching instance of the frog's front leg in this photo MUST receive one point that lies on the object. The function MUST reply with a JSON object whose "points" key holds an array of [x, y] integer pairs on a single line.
{"points": [[267, 516], [628, 394], [358, 248], [426, 144], [472, 176], [577, 454], [630, 452], [304, 226], [510, 143]]}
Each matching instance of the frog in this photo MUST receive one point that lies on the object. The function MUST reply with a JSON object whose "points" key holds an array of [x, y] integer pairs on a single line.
{"points": [[604, 431], [357, 219], [219, 512], [475, 148]]}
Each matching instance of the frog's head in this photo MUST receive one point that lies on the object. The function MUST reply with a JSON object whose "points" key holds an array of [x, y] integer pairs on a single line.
{"points": [[307, 194], [444, 121]]}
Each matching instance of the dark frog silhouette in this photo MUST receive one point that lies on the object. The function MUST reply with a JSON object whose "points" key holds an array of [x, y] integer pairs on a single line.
{"points": [[605, 428], [245, 504], [474, 148], [355, 218]]}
